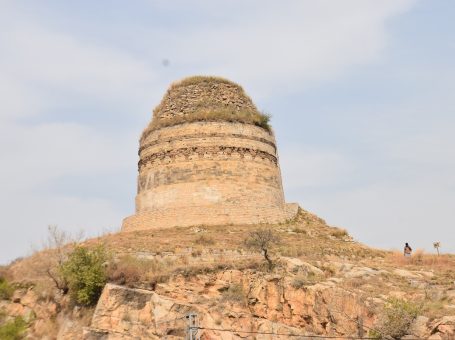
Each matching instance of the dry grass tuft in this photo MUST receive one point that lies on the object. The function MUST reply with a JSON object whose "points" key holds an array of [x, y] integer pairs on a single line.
{"points": [[203, 79]]}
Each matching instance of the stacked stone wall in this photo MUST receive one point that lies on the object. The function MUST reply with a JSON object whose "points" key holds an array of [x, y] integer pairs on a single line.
{"points": [[184, 217]]}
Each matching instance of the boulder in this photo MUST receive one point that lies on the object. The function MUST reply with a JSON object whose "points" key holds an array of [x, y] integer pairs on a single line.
{"points": [[137, 313], [361, 272], [296, 265], [406, 274], [445, 326], [419, 327]]}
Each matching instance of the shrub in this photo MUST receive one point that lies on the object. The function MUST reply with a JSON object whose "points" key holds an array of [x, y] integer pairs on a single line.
{"points": [[129, 270], [339, 233], [196, 253], [86, 274], [6, 291], [299, 230], [205, 240], [291, 250], [301, 280], [298, 282], [396, 319], [234, 293], [13, 330]]}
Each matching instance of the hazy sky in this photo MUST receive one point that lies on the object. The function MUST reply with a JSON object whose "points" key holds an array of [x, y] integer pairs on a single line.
{"points": [[362, 95]]}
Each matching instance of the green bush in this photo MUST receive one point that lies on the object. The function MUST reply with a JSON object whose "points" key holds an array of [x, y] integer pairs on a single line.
{"points": [[5, 289], [86, 274], [13, 330], [396, 319]]}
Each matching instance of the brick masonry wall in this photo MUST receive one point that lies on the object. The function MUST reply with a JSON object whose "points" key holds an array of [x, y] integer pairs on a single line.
{"points": [[208, 173]]}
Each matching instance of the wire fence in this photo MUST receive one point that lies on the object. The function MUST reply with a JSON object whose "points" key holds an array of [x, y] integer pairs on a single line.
{"points": [[290, 335], [302, 336]]}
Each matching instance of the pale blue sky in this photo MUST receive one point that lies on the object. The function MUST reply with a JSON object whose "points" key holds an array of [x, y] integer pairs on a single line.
{"points": [[361, 93]]}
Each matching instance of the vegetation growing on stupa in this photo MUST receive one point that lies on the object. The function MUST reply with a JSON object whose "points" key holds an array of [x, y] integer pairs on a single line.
{"points": [[201, 98]]}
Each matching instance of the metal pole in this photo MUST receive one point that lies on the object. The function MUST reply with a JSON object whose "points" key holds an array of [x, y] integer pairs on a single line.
{"points": [[192, 327]]}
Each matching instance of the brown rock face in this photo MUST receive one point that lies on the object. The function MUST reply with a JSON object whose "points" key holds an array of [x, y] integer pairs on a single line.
{"points": [[269, 304], [134, 313], [206, 159]]}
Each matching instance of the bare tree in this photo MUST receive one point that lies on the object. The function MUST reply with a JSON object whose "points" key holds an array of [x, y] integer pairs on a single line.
{"points": [[262, 240], [59, 244]]}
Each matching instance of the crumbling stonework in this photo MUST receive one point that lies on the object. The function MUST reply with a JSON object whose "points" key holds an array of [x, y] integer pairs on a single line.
{"points": [[188, 97], [207, 171]]}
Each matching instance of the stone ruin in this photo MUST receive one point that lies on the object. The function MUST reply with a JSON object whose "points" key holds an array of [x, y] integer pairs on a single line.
{"points": [[208, 157]]}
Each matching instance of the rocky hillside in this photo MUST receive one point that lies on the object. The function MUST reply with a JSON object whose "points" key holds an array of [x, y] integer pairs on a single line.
{"points": [[317, 281]]}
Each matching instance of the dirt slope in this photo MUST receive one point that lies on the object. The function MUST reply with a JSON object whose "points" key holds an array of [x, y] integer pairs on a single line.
{"points": [[321, 283]]}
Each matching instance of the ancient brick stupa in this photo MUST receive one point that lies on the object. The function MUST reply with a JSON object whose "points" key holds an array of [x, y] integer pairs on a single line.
{"points": [[208, 157]]}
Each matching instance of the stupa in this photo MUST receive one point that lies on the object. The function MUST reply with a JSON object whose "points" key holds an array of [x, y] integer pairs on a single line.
{"points": [[208, 157]]}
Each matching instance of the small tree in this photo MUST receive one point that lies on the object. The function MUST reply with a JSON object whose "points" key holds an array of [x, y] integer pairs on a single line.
{"points": [[436, 245], [85, 273], [262, 240]]}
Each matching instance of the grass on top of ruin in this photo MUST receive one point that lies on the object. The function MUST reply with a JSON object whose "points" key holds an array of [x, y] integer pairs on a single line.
{"points": [[194, 80], [213, 114]]}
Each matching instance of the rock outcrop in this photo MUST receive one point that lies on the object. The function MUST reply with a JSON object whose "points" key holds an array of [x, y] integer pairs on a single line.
{"points": [[321, 283]]}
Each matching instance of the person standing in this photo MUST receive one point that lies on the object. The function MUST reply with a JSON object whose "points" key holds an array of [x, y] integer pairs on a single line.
{"points": [[407, 250]]}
